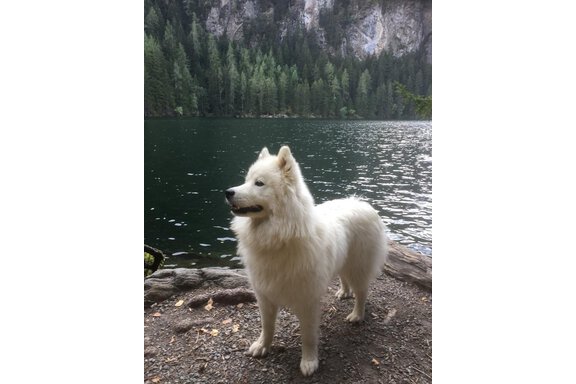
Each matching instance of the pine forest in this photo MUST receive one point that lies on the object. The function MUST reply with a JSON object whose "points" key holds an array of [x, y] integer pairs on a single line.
{"points": [[190, 72]]}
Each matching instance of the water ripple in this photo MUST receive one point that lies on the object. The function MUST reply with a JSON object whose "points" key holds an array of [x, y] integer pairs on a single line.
{"points": [[189, 162]]}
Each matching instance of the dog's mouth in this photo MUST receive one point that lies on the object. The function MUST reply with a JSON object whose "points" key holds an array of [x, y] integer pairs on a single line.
{"points": [[244, 210]]}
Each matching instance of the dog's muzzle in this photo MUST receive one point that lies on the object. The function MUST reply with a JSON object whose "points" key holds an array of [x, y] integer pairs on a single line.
{"points": [[236, 209]]}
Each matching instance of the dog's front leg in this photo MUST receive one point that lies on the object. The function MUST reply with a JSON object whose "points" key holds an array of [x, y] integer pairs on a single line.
{"points": [[309, 328], [268, 312]]}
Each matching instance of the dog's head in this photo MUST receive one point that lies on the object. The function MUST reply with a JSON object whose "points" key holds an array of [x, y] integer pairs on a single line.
{"points": [[270, 181]]}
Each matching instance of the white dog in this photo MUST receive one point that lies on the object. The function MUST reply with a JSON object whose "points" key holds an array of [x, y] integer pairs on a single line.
{"points": [[293, 249]]}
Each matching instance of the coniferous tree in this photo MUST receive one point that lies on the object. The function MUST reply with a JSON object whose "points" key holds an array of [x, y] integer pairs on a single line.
{"points": [[158, 97], [215, 77], [184, 88], [302, 100], [345, 87], [291, 91], [363, 94], [243, 93], [195, 39], [282, 91], [169, 43], [320, 98], [269, 96], [154, 23], [232, 81]]}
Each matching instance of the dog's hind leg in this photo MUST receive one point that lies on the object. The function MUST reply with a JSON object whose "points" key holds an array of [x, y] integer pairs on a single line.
{"points": [[344, 292], [268, 312], [357, 313]]}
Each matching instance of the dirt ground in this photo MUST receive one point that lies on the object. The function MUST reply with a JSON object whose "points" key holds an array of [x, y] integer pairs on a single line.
{"points": [[206, 344]]}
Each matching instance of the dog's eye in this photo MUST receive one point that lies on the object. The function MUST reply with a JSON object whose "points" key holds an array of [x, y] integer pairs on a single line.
{"points": [[259, 183]]}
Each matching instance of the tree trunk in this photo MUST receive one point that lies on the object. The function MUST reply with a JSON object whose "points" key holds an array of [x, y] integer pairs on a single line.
{"points": [[405, 264]]}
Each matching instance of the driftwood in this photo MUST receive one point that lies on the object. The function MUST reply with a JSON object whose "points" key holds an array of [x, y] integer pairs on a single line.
{"points": [[407, 265], [164, 283], [225, 296], [401, 263]]}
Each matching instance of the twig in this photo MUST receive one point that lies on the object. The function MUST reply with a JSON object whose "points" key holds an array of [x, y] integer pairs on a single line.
{"points": [[422, 373]]}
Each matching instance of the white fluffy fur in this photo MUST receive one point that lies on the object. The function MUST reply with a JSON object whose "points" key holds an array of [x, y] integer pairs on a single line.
{"points": [[292, 249]]}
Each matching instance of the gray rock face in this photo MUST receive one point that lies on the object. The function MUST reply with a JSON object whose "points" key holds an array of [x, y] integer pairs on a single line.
{"points": [[398, 27], [226, 18]]}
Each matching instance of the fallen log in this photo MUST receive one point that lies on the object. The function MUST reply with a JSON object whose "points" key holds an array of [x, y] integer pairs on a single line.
{"points": [[225, 296], [402, 263], [407, 265]]}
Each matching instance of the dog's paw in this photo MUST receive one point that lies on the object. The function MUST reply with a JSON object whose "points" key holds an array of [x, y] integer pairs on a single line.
{"points": [[308, 367], [258, 349], [354, 317], [342, 294]]}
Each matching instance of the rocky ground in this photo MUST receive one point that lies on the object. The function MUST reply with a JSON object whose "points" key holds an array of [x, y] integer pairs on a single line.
{"points": [[199, 323]]}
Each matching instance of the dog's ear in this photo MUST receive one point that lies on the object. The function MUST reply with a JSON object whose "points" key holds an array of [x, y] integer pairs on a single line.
{"points": [[263, 153], [285, 159]]}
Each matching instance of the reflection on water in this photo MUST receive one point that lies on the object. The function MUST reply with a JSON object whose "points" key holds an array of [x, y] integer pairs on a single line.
{"points": [[189, 162]]}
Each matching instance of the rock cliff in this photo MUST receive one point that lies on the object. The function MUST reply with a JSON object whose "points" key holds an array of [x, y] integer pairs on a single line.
{"points": [[347, 27]]}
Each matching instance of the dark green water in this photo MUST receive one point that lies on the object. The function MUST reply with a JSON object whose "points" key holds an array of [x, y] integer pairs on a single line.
{"points": [[190, 162]]}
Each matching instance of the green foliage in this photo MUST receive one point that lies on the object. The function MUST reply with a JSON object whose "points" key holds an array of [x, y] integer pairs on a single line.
{"points": [[148, 262], [189, 72], [158, 94], [423, 104]]}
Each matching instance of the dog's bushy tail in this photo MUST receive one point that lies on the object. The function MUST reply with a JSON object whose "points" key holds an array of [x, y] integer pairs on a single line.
{"points": [[384, 249]]}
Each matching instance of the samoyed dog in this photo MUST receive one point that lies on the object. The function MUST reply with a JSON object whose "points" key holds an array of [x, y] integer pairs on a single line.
{"points": [[292, 249]]}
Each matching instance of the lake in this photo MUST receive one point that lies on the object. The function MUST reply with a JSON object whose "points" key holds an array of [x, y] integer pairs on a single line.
{"points": [[188, 163]]}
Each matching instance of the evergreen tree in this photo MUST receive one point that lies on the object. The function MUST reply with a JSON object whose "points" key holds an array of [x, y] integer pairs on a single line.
{"points": [[215, 77], [195, 39], [302, 100], [158, 97], [184, 88], [363, 94], [169, 43], [253, 95], [282, 91], [345, 87], [154, 23], [291, 89], [320, 98], [243, 92], [269, 96], [232, 81]]}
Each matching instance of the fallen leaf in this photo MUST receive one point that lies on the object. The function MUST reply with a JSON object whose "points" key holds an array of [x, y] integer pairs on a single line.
{"points": [[240, 305], [235, 328], [424, 298], [156, 379], [179, 303], [208, 306], [375, 362], [227, 321], [172, 340], [214, 332], [390, 315], [156, 314]]}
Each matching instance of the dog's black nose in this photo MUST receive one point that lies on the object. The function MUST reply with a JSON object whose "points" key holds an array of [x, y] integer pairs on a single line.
{"points": [[229, 193]]}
